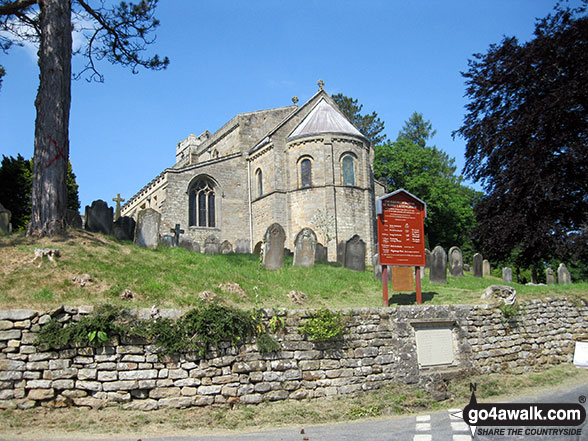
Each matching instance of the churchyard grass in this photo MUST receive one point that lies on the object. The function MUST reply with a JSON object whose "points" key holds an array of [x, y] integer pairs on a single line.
{"points": [[394, 400], [173, 277]]}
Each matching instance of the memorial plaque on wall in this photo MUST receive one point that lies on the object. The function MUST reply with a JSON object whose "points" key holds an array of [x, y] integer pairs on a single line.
{"points": [[402, 278], [434, 346], [401, 238]]}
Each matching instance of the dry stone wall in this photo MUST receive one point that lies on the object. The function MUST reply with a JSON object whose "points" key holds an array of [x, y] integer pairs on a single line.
{"points": [[378, 348]]}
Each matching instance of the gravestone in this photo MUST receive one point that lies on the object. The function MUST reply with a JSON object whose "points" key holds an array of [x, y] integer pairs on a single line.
{"points": [[176, 237], [242, 246], [438, 268], [226, 247], [321, 254], [305, 248], [563, 275], [258, 247], [477, 265], [118, 200], [549, 276], [211, 245], [507, 274], [5, 217], [455, 262], [378, 268], [341, 252], [99, 217], [355, 254], [124, 228], [147, 228], [273, 254], [74, 220], [427, 258], [188, 244], [166, 240], [486, 270]]}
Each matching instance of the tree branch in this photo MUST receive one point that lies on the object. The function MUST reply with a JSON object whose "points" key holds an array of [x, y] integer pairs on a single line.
{"points": [[16, 6]]}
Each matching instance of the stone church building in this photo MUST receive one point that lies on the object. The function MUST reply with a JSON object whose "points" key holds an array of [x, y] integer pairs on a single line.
{"points": [[299, 166]]}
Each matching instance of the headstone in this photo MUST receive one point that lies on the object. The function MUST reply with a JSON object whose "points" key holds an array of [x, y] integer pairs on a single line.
{"points": [[305, 248], [563, 275], [226, 247], [549, 276], [477, 265], [438, 269], [124, 228], [257, 248], [486, 270], [466, 267], [242, 246], [273, 254], [118, 200], [176, 238], [74, 220], [5, 217], [341, 252], [211, 245], [147, 228], [355, 254], [188, 244], [378, 268], [427, 258], [321, 254], [455, 257], [507, 274], [99, 217]]}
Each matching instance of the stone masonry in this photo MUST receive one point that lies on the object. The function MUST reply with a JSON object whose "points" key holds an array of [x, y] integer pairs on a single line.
{"points": [[378, 349]]}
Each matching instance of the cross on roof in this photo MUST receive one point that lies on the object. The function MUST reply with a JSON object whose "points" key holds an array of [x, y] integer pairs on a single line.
{"points": [[118, 200], [321, 84], [177, 231]]}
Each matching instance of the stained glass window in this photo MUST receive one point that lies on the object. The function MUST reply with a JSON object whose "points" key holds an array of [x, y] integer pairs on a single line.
{"points": [[306, 173]]}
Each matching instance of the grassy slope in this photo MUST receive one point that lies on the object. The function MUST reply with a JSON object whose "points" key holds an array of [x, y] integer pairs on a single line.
{"points": [[173, 277]]}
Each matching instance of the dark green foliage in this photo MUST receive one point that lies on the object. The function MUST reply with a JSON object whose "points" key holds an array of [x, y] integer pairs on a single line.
{"points": [[323, 325], [369, 125], [266, 343], [417, 130], [526, 130]]}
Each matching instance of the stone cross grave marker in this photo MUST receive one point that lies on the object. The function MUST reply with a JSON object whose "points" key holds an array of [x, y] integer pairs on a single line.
{"points": [[455, 262], [147, 229], [549, 276], [477, 265], [563, 275], [438, 268], [355, 254], [507, 274], [177, 231], [273, 253], [305, 248], [99, 217], [118, 200]]}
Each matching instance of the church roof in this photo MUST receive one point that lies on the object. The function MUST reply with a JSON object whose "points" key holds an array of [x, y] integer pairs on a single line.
{"points": [[324, 119]]}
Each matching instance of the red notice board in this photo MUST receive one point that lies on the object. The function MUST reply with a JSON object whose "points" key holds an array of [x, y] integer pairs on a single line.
{"points": [[401, 235]]}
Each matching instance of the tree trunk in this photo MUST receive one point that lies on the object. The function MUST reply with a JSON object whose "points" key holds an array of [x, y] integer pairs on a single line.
{"points": [[49, 195]]}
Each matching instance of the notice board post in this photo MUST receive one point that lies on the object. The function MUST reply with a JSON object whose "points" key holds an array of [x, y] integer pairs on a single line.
{"points": [[401, 235]]}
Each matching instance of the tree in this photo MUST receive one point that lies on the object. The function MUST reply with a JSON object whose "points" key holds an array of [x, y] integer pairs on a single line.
{"points": [[369, 125], [417, 130], [16, 179], [526, 132], [429, 174], [119, 34]]}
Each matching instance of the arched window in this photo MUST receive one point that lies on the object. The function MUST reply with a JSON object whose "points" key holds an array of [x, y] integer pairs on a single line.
{"points": [[202, 212], [306, 173], [259, 180], [348, 170]]}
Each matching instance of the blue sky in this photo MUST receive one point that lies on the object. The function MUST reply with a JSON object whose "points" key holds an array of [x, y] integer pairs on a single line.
{"points": [[229, 57]]}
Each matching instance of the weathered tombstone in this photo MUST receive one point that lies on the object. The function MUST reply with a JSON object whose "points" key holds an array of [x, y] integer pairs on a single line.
{"points": [[486, 270], [563, 275], [242, 246], [549, 276], [507, 274], [321, 254], [5, 217], [355, 254], [124, 228], [188, 244], [273, 253], [99, 217], [378, 268], [211, 245], [226, 247], [427, 258], [477, 265], [341, 252], [305, 248], [258, 247], [74, 220], [438, 269], [147, 228], [176, 238], [455, 257]]}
